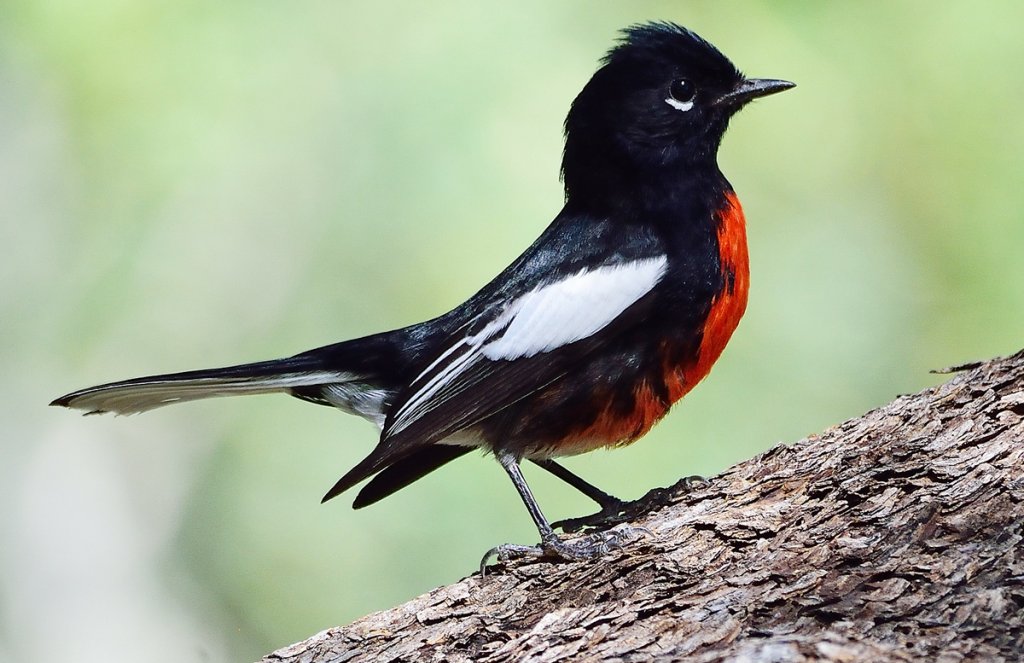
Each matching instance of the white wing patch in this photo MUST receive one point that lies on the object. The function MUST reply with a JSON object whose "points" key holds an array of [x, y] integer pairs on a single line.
{"points": [[546, 318], [570, 310]]}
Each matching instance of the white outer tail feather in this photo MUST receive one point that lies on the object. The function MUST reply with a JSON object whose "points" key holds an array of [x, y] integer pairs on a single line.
{"points": [[144, 394]]}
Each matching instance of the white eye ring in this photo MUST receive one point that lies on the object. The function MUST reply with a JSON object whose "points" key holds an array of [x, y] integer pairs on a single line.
{"points": [[679, 105]]}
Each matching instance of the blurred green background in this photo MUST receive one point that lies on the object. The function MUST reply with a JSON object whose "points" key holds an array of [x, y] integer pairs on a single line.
{"points": [[187, 184]]}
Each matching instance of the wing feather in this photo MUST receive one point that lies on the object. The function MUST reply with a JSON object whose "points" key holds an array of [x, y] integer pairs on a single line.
{"points": [[512, 355]]}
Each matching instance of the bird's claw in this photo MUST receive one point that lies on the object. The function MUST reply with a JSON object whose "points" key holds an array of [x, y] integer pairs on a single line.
{"points": [[554, 548]]}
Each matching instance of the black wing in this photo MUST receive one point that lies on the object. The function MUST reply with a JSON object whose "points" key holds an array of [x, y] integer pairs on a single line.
{"points": [[515, 350]]}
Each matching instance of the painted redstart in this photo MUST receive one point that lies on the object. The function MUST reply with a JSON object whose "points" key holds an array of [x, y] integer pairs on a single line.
{"points": [[614, 313]]}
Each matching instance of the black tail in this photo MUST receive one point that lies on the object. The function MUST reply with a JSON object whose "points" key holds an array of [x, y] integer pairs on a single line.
{"points": [[147, 393], [399, 475]]}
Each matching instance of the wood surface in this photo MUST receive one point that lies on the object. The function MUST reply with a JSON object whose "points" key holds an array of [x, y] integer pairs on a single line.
{"points": [[896, 536]]}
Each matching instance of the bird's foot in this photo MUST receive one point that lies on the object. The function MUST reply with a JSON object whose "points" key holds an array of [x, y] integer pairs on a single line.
{"points": [[552, 547], [615, 511], [612, 513]]}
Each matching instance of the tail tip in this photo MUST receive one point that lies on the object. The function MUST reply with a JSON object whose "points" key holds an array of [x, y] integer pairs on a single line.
{"points": [[67, 401]]}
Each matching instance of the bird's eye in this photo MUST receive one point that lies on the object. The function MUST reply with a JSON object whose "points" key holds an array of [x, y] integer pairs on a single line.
{"points": [[681, 94]]}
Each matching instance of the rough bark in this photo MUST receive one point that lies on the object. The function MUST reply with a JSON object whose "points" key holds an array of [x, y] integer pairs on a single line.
{"points": [[895, 536]]}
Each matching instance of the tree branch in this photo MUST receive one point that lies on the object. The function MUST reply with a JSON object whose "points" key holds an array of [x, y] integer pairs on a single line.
{"points": [[894, 536]]}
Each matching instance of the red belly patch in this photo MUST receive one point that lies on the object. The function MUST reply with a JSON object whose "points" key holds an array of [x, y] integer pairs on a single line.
{"points": [[726, 308], [612, 427]]}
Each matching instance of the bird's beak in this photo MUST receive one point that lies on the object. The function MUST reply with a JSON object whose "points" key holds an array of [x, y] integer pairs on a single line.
{"points": [[752, 88]]}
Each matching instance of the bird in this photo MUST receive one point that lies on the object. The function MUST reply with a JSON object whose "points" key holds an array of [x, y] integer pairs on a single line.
{"points": [[616, 311]]}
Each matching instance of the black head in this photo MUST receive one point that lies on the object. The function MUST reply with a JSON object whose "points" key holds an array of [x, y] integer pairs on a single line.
{"points": [[661, 101]]}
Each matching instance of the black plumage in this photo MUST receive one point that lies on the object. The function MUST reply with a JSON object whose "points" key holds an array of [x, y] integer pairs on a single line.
{"points": [[590, 335]]}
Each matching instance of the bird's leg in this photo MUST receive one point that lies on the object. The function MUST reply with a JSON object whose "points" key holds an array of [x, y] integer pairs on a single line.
{"points": [[611, 506], [550, 545], [604, 500]]}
